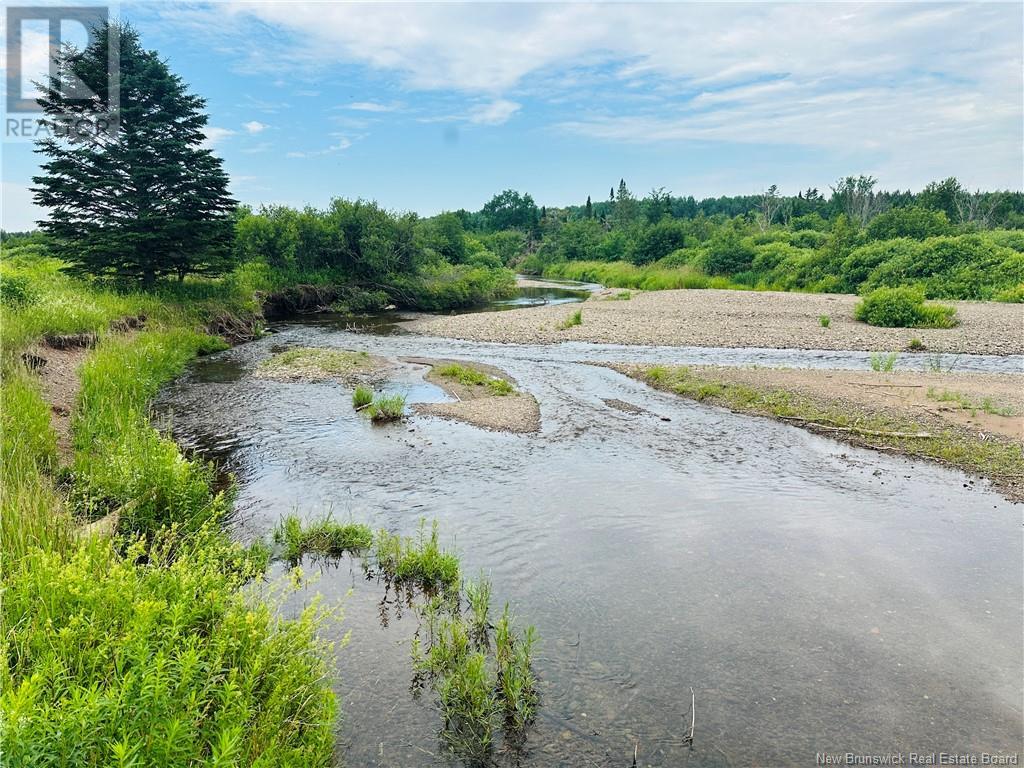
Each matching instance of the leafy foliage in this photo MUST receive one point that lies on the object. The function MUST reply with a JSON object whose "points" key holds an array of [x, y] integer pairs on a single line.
{"points": [[903, 308]]}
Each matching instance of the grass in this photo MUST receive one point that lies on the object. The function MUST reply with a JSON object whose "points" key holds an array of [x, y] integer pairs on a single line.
{"points": [[471, 377], [140, 650], [483, 687], [322, 537], [965, 402], [993, 458], [576, 318], [621, 274], [154, 658], [884, 363], [386, 408], [915, 345], [316, 363], [824, 321], [419, 561], [362, 397], [121, 463]]}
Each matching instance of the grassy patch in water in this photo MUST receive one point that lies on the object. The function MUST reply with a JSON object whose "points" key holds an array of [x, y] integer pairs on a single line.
{"points": [[419, 560], [316, 363], [322, 537], [998, 459], [386, 408], [362, 397], [883, 363], [471, 377], [483, 687]]}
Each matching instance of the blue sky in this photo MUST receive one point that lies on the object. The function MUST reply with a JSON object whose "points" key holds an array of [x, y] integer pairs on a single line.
{"points": [[437, 106]]}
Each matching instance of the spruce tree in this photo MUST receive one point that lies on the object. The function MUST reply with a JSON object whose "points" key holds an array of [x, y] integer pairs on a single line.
{"points": [[145, 200], [590, 208]]}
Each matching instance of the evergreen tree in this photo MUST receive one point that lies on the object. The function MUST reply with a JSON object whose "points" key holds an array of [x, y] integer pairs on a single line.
{"points": [[626, 207], [145, 200], [590, 208]]}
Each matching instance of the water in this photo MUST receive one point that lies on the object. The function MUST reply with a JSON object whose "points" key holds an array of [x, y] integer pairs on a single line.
{"points": [[816, 597]]}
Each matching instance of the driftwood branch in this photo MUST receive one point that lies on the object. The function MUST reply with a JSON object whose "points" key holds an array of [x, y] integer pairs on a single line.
{"points": [[855, 430]]}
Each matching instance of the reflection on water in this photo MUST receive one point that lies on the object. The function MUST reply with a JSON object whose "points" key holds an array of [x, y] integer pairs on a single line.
{"points": [[816, 597]]}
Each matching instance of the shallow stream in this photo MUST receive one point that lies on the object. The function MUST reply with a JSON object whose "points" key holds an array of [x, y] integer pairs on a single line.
{"points": [[816, 597]]}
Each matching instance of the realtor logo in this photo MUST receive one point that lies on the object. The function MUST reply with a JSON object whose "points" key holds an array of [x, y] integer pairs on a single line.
{"points": [[91, 107]]}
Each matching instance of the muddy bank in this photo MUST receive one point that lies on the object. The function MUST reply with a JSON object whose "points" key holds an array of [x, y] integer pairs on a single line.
{"points": [[501, 409], [736, 319], [973, 422]]}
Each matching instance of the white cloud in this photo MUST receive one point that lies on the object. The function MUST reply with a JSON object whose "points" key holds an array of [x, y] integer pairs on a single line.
{"points": [[920, 84], [254, 126], [342, 144], [496, 112], [215, 135], [371, 106]]}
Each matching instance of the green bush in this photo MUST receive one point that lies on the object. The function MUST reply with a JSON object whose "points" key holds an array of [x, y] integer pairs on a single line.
{"points": [[903, 308], [143, 658]]}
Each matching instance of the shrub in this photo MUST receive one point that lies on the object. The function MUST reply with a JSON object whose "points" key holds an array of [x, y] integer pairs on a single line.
{"points": [[903, 308], [824, 321], [1013, 295], [148, 659]]}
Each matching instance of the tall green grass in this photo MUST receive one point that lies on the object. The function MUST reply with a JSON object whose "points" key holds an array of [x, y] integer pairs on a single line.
{"points": [[121, 462], [139, 650], [621, 274]]}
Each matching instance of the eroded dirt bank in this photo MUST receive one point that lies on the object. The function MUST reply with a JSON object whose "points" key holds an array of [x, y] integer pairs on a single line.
{"points": [[735, 319]]}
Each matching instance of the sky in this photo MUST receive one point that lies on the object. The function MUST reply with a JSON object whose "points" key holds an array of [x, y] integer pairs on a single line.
{"points": [[438, 106]]}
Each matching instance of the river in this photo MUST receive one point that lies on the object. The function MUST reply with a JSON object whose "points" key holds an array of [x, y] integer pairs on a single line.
{"points": [[815, 597]]}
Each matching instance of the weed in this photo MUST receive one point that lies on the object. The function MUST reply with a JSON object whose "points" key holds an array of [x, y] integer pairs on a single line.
{"points": [[323, 537], [576, 318], [420, 561], [880, 362], [472, 377], [387, 408], [915, 345], [478, 595], [964, 401], [362, 397], [824, 321]]}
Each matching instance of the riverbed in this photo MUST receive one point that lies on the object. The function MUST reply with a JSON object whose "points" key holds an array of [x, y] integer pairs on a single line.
{"points": [[815, 597]]}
